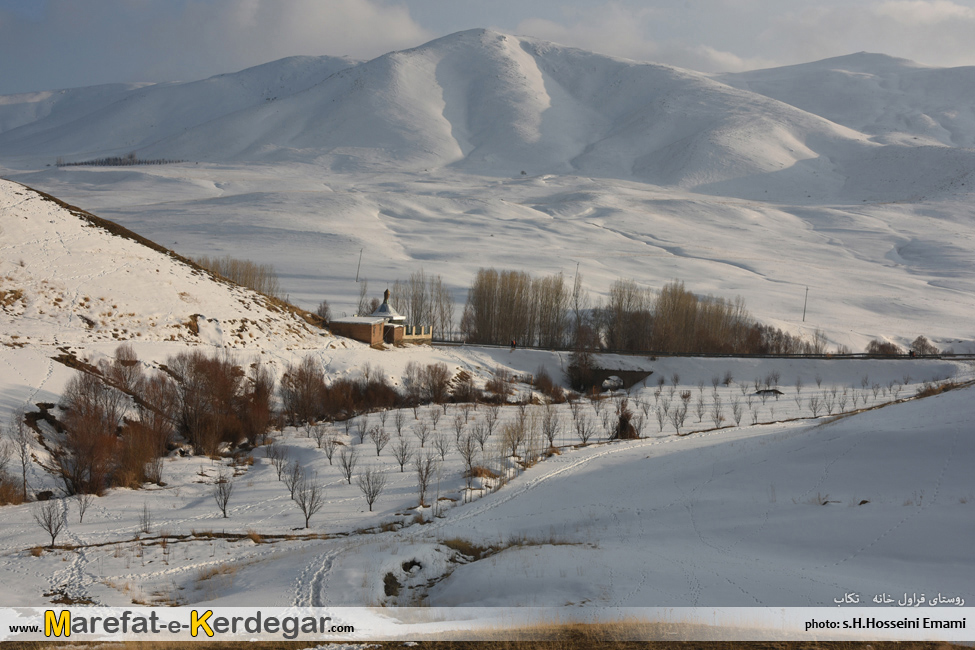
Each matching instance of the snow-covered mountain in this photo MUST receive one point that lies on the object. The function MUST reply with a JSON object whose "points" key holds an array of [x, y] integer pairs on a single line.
{"points": [[112, 119], [892, 100], [486, 102]]}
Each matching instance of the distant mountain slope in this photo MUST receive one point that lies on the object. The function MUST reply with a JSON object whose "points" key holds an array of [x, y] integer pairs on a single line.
{"points": [[91, 122], [894, 100], [68, 278], [488, 103]]}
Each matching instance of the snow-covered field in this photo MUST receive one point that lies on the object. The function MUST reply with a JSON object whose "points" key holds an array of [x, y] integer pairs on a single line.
{"points": [[482, 150]]}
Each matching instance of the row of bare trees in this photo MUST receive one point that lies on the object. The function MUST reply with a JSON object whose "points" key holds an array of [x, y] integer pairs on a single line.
{"points": [[424, 300], [504, 306]]}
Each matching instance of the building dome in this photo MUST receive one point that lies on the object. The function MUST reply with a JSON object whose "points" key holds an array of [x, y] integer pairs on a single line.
{"points": [[387, 312]]}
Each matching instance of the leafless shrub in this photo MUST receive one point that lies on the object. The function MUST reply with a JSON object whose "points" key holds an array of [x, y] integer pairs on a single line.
{"points": [[436, 382], [883, 348]]}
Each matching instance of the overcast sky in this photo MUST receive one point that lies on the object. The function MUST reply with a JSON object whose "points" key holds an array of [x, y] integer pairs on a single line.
{"points": [[49, 44]]}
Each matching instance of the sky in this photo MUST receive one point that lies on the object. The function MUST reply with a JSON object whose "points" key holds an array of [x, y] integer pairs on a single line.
{"points": [[52, 44]]}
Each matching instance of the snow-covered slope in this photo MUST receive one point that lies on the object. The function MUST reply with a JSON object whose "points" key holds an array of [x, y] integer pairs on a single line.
{"points": [[892, 100], [69, 278]]}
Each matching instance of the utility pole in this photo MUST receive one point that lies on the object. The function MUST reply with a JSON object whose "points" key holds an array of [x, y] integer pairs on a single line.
{"points": [[804, 303], [359, 265]]}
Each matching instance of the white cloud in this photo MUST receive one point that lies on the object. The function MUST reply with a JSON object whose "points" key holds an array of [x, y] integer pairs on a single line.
{"points": [[97, 41], [935, 32], [619, 30], [923, 12]]}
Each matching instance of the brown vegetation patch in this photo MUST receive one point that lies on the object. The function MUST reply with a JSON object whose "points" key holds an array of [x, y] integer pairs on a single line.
{"points": [[9, 297], [479, 471]]}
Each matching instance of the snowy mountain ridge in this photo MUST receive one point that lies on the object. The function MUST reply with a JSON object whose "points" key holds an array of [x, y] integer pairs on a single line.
{"points": [[484, 102]]}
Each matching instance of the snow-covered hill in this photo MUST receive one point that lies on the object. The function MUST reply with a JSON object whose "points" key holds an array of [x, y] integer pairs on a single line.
{"points": [[69, 278]]}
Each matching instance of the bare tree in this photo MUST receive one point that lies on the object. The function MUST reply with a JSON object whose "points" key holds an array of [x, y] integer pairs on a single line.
{"points": [[442, 444], [324, 311], [276, 454], [550, 424], [320, 433], [436, 382], [84, 500], [459, 423], [736, 410], [402, 452], [435, 416], [380, 438], [348, 459], [20, 435], [145, 519], [372, 482], [399, 419], [700, 407], [480, 432], [422, 431], [512, 435], [362, 428], [585, 428], [815, 405], [223, 489], [363, 304], [309, 497], [491, 417], [467, 447], [425, 466], [49, 515], [716, 416], [678, 415], [292, 477]]}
